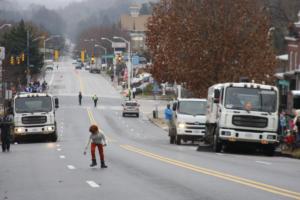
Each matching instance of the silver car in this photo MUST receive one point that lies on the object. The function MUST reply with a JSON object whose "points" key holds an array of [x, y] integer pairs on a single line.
{"points": [[131, 107]]}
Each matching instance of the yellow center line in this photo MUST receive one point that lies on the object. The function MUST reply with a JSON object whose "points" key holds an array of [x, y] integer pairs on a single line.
{"points": [[81, 84], [236, 179], [93, 121]]}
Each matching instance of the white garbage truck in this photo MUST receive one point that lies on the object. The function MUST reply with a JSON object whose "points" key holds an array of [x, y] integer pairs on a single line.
{"points": [[34, 115], [189, 120], [242, 113]]}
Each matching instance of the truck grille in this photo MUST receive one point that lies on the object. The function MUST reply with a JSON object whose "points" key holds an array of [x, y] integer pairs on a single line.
{"points": [[195, 125], [250, 121], [34, 120]]}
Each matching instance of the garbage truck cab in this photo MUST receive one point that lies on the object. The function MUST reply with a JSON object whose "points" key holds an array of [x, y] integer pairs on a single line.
{"points": [[34, 114], [242, 113]]}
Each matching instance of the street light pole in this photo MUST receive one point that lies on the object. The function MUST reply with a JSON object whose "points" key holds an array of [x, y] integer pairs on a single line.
{"points": [[45, 40], [114, 63], [129, 61], [105, 51], [2, 95], [4, 25]]}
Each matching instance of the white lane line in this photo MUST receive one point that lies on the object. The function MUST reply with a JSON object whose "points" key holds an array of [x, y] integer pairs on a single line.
{"points": [[62, 157], [59, 149], [92, 184], [58, 145], [71, 167], [219, 154], [263, 162]]}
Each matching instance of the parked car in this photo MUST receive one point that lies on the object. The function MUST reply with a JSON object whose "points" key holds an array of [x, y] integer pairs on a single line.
{"points": [[87, 67], [131, 107], [78, 65], [49, 67]]}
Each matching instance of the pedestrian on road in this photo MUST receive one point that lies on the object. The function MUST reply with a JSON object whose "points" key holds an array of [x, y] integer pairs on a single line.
{"points": [[97, 139], [80, 98], [170, 123], [112, 77], [133, 92], [95, 99], [5, 132]]}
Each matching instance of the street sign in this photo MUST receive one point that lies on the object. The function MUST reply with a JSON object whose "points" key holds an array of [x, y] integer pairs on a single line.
{"points": [[2, 53], [118, 45], [135, 60], [284, 82], [155, 88]]}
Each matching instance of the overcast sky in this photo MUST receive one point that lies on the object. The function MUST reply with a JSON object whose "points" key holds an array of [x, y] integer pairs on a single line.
{"points": [[48, 3]]}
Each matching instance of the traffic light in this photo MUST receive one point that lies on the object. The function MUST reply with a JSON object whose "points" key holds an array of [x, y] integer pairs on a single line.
{"points": [[56, 55], [23, 57], [82, 57], [93, 60], [12, 60], [18, 60], [119, 58]]}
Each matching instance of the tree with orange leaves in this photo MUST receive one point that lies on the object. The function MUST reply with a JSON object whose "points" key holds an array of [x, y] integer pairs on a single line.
{"points": [[201, 43]]}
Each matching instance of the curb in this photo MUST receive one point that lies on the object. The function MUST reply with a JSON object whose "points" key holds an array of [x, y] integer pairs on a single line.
{"points": [[165, 128]]}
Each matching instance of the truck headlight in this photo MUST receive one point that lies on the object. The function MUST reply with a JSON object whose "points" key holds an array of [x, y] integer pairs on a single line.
{"points": [[181, 125], [49, 128], [19, 130]]}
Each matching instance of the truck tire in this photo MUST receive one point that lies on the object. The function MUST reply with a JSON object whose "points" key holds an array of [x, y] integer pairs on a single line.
{"points": [[269, 150], [178, 140], [172, 139], [53, 137], [217, 144]]}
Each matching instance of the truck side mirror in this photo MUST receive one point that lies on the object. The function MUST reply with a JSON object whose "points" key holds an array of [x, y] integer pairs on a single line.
{"points": [[217, 96], [174, 107], [56, 103]]}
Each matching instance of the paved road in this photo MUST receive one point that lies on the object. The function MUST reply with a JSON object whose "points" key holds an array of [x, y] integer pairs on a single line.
{"points": [[141, 163]]}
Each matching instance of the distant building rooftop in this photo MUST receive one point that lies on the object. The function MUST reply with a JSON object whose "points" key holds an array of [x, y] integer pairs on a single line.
{"points": [[138, 23]]}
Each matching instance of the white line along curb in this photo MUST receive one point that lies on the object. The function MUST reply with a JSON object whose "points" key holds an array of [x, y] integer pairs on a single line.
{"points": [[263, 162]]}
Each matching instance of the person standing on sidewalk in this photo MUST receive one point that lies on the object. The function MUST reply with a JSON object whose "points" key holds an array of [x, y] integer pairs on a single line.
{"points": [[5, 132], [97, 139], [80, 98], [95, 99], [170, 121]]}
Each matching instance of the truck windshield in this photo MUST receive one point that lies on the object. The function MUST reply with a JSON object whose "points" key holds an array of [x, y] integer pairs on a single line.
{"points": [[253, 98], [192, 107], [33, 104]]}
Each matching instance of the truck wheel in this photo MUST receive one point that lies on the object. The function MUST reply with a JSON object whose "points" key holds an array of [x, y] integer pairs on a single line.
{"points": [[269, 150], [217, 145], [137, 115], [178, 140], [53, 137], [172, 139]]}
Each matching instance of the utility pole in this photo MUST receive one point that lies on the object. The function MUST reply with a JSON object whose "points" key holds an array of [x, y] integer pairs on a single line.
{"points": [[28, 62]]}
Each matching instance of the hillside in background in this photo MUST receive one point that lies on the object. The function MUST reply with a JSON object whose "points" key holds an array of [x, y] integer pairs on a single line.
{"points": [[70, 20]]}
